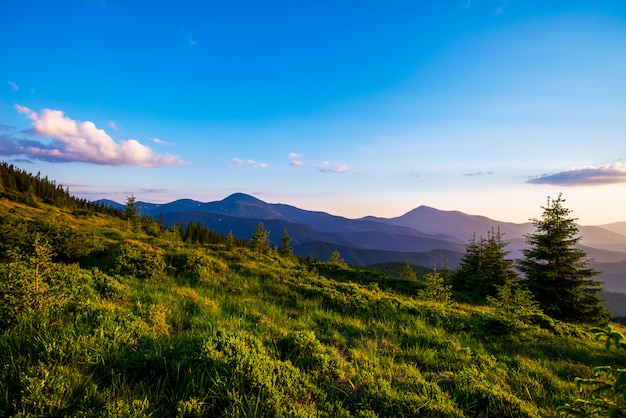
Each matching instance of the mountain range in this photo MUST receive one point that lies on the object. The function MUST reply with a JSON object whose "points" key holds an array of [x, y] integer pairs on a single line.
{"points": [[423, 236]]}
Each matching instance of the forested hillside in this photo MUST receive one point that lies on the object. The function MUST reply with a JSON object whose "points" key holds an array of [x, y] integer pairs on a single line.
{"points": [[107, 313]]}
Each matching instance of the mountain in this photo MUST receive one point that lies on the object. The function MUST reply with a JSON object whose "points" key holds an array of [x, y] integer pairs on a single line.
{"points": [[241, 214], [454, 223], [412, 237], [617, 227]]}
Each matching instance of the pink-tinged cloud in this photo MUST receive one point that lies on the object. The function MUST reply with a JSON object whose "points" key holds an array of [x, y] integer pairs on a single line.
{"points": [[162, 142], [327, 167], [296, 163], [586, 176], [293, 155], [84, 142], [250, 163]]}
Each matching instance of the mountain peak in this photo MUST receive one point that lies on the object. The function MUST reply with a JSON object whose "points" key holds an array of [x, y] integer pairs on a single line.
{"points": [[242, 198]]}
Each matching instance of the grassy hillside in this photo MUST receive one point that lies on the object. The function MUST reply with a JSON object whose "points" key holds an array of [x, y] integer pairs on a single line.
{"points": [[106, 316]]}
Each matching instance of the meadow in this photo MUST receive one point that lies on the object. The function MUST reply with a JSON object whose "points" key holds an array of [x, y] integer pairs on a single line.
{"points": [[107, 315]]}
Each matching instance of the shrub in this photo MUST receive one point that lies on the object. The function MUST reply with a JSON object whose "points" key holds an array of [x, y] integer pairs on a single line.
{"points": [[307, 353], [140, 261], [199, 267]]}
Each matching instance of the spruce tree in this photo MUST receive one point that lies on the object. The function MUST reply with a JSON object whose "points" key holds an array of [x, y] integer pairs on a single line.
{"points": [[558, 273], [435, 288], [259, 242], [131, 208], [336, 259], [286, 249], [498, 270], [408, 273], [469, 267], [484, 267]]}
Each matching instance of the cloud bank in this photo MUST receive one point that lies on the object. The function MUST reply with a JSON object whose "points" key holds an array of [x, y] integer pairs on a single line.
{"points": [[76, 141], [586, 176]]}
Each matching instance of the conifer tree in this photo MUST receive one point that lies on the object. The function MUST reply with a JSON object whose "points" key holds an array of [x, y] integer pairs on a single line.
{"points": [[286, 250], [558, 273], [231, 241], [408, 273], [498, 271], [336, 259], [484, 267], [259, 242], [131, 208], [435, 289], [469, 267]]}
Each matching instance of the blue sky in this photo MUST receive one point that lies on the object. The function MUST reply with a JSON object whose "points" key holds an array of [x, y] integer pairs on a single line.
{"points": [[359, 108]]}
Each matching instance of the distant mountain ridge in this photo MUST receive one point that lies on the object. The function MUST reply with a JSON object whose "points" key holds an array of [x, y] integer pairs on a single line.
{"points": [[424, 236]]}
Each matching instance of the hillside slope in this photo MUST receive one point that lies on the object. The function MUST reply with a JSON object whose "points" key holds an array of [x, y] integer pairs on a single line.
{"points": [[141, 323]]}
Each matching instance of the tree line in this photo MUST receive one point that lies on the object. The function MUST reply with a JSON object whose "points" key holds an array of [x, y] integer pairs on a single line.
{"points": [[22, 186]]}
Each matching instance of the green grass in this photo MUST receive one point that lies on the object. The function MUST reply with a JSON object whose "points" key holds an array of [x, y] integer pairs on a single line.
{"points": [[153, 327]]}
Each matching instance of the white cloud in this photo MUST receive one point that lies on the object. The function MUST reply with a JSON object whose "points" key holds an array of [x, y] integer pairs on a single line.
{"points": [[14, 86], [585, 176], [327, 167], [112, 125], [293, 155], [83, 141], [250, 163]]}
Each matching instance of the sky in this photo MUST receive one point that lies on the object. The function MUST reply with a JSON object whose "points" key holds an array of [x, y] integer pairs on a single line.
{"points": [[353, 108]]}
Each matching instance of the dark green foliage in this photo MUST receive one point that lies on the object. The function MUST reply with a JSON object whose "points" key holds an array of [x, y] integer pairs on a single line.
{"points": [[260, 240], [408, 273], [558, 273], [16, 293], [131, 210], [435, 288], [484, 268], [198, 233], [139, 260], [336, 259], [286, 250], [396, 269], [306, 352], [514, 301], [198, 267], [70, 244], [33, 190], [606, 391]]}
